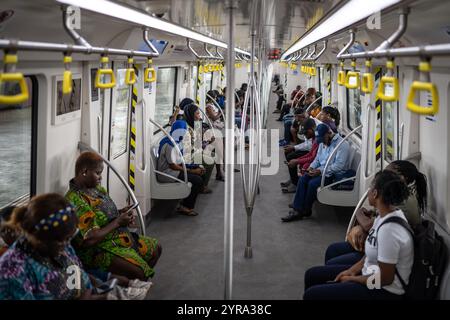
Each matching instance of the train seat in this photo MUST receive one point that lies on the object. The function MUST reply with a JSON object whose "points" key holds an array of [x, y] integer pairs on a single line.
{"points": [[344, 193], [178, 189]]}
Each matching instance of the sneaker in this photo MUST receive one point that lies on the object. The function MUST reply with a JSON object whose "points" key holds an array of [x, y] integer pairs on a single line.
{"points": [[292, 216], [285, 184], [289, 189]]}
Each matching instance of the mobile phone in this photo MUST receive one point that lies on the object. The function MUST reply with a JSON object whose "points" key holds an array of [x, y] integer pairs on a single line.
{"points": [[332, 281], [134, 206], [106, 286]]}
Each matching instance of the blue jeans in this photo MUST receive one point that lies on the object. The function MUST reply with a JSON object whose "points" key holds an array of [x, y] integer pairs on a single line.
{"points": [[306, 192], [318, 288], [287, 130], [342, 253]]}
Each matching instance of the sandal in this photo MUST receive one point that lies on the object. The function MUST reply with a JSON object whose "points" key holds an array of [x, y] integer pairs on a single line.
{"points": [[186, 211]]}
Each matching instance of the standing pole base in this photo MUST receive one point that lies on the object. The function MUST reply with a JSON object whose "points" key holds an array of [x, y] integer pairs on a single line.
{"points": [[248, 252]]}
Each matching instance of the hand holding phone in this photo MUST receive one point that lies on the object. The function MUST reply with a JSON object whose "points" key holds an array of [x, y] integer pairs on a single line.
{"points": [[106, 287]]}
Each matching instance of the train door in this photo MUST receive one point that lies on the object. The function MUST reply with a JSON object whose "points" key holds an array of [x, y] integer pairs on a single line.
{"points": [[119, 128], [18, 146]]}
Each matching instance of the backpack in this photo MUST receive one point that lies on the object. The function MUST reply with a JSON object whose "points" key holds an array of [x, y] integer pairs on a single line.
{"points": [[430, 260]]}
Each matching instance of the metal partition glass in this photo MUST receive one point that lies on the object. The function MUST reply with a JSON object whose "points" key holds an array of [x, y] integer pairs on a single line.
{"points": [[353, 108], [166, 84]]}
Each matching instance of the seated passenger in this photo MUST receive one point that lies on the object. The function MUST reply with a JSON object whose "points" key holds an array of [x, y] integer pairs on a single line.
{"points": [[104, 241], [389, 253], [295, 151], [197, 138], [351, 251], [9, 232], [330, 116], [37, 266], [179, 110], [308, 130], [169, 162], [292, 127], [296, 95], [285, 110], [306, 192]]}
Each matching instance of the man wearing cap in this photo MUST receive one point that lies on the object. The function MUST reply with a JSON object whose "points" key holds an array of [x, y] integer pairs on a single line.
{"points": [[291, 127], [308, 184], [308, 130]]}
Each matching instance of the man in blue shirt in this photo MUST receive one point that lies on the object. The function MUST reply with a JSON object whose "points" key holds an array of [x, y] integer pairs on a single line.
{"points": [[310, 180]]}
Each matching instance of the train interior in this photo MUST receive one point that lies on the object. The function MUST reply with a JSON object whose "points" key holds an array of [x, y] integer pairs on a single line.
{"points": [[42, 136]]}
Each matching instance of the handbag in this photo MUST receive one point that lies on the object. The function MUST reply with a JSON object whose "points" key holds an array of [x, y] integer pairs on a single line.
{"points": [[365, 218]]}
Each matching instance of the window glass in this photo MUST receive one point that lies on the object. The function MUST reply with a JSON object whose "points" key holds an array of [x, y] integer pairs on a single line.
{"points": [[119, 127], [165, 94], [389, 127], [353, 108], [15, 145], [208, 81], [194, 82]]}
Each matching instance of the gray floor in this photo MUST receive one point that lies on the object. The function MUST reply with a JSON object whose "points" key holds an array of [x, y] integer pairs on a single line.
{"points": [[191, 266]]}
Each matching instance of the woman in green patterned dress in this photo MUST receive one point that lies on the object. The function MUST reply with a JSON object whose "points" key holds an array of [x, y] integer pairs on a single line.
{"points": [[104, 241]]}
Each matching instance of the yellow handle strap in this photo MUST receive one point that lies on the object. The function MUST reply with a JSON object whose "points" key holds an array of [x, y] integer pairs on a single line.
{"points": [[105, 85], [418, 86], [18, 98], [352, 80], [367, 83], [381, 94], [67, 76], [341, 78]]}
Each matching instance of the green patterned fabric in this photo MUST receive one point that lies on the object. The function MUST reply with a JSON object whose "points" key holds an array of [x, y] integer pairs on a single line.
{"points": [[95, 209]]}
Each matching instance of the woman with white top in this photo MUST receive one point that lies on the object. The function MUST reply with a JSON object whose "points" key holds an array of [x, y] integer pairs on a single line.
{"points": [[389, 250]]}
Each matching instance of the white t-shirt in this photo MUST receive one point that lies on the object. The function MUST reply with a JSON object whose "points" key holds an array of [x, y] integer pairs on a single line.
{"points": [[393, 245]]}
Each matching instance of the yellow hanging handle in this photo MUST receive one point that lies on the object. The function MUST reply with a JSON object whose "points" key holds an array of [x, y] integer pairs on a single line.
{"points": [[367, 81], [389, 80], [352, 79], [149, 72], [341, 75], [14, 77], [312, 71], [419, 86], [130, 74], [67, 76], [105, 72]]}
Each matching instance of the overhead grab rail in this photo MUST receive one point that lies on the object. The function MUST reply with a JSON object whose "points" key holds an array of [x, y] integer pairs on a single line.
{"points": [[342, 74], [183, 163], [331, 157], [84, 147], [200, 57]]}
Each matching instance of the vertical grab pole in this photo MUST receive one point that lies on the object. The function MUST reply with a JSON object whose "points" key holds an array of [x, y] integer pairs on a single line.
{"points": [[230, 6]]}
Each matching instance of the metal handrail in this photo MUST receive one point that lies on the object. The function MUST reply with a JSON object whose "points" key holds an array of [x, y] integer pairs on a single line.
{"points": [[402, 25], [169, 176], [325, 45], [328, 186], [299, 100], [100, 134], [314, 48], [348, 45], [353, 218], [402, 136], [175, 146], [305, 55], [72, 33], [211, 56], [194, 52], [333, 153], [209, 122], [83, 146], [217, 105], [312, 104], [149, 43]]}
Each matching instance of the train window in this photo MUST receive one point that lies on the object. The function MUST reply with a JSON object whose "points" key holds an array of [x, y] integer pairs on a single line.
{"points": [[208, 81], [16, 145], [389, 118], [119, 126], [165, 94], [194, 82], [353, 109]]}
